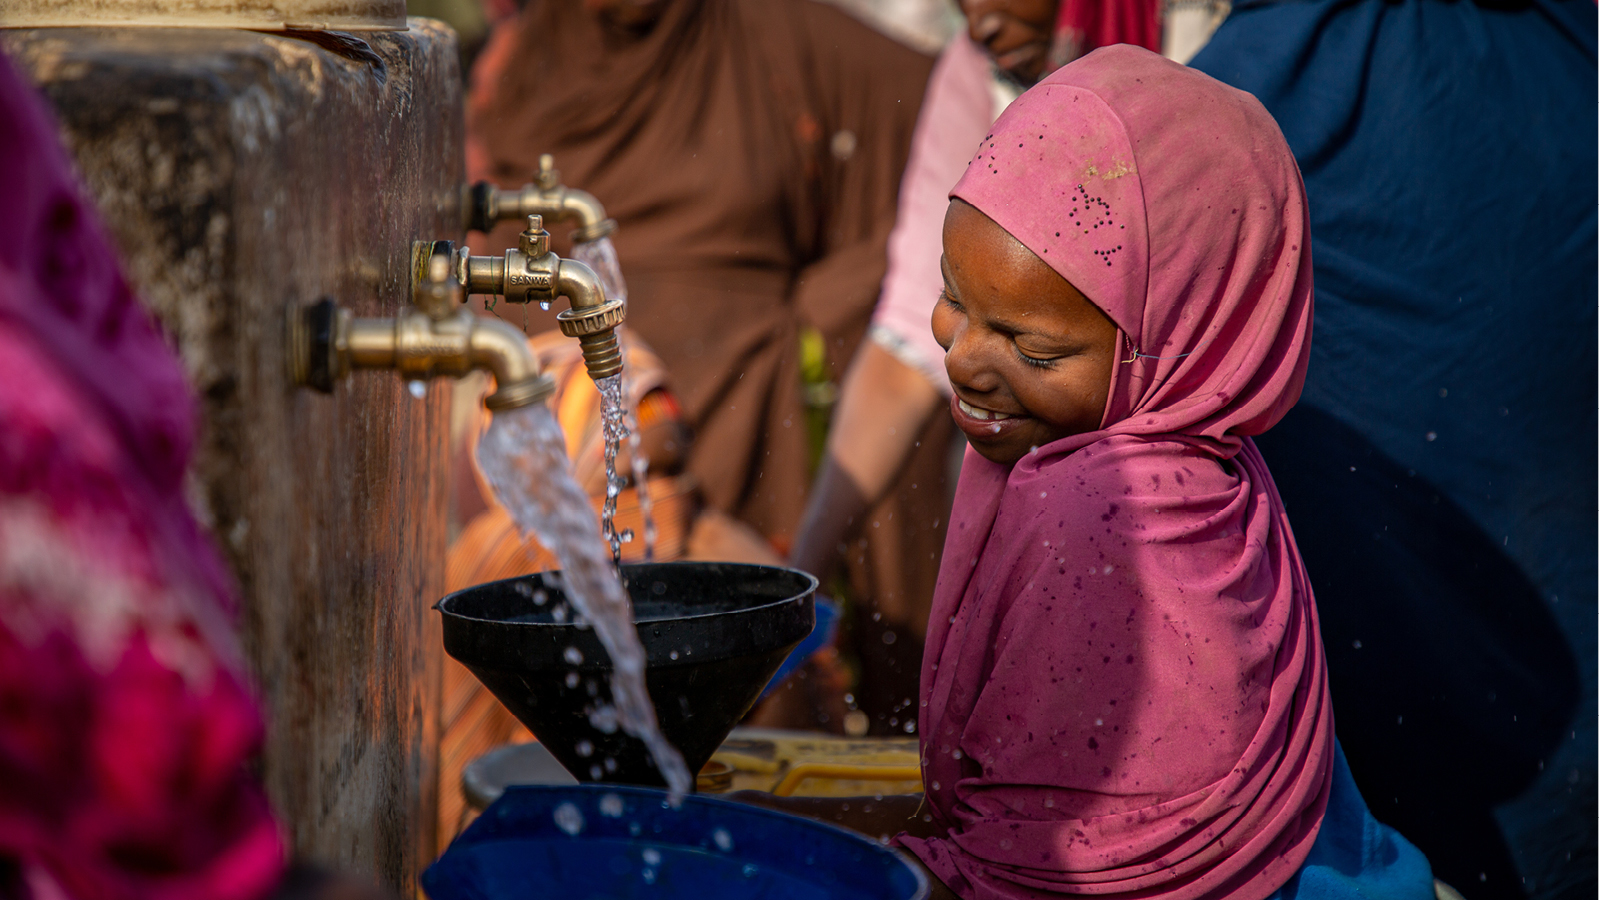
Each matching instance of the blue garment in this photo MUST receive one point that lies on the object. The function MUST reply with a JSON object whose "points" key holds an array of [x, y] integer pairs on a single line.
{"points": [[1439, 471], [1355, 855]]}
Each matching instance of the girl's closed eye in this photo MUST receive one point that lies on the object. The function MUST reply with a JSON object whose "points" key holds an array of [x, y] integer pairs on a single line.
{"points": [[1040, 362]]}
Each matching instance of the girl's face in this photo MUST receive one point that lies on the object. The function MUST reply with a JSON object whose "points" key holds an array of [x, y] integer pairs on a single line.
{"points": [[1029, 356]]}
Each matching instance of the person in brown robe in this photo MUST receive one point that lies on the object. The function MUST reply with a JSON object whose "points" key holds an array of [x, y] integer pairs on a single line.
{"points": [[751, 151]]}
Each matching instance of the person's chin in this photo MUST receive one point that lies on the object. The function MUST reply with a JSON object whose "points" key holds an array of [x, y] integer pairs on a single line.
{"points": [[1002, 452], [1024, 65]]}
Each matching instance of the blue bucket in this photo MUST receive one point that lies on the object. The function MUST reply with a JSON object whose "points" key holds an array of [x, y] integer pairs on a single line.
{"points": [[593, 841]]}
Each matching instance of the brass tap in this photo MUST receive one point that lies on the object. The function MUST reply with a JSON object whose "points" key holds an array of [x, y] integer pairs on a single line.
{"points": [[486, 204], [530, 273], [438, 336]]}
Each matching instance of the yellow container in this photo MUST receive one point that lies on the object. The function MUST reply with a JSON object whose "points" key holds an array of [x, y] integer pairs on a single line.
{"points": [[806, 764]]}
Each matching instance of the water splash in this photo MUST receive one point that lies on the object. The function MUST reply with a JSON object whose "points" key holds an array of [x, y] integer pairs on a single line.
{"points": [[524, 458]]}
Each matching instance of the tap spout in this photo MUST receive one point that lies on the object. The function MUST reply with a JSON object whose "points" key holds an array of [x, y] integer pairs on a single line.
{"points": [[593, 319], [530, 273], [546, 196]]}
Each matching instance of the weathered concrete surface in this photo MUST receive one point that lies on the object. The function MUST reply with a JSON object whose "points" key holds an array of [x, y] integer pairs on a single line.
{"points": [[242, 173]]}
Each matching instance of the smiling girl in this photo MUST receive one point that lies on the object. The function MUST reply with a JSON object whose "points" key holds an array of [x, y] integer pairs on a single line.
{"points": [[1124, 692]]}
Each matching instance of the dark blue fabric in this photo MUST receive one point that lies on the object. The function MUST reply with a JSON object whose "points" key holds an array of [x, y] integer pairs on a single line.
{"points": [[1355, 855], [1440, 470]]}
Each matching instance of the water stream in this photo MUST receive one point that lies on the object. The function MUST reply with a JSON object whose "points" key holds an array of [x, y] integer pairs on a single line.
{"points": [[641, 473], [601, 256], [613, 426], [523, 456], [620, 419]]}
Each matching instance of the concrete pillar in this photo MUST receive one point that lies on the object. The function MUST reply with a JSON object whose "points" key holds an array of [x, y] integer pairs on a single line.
{"points": [[243, 173]]}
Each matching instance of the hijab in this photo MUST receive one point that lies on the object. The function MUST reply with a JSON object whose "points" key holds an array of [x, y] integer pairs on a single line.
{"points": [[1124, 692]]}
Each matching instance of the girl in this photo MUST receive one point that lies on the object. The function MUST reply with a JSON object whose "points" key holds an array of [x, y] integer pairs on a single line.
{"points": [[1124, 692]]}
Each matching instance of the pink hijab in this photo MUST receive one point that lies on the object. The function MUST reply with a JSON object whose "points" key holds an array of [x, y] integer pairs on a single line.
{"points": [[1124, 692]]}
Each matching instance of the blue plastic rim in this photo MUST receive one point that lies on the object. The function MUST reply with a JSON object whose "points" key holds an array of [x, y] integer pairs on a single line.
{"points": [[609, 842]]}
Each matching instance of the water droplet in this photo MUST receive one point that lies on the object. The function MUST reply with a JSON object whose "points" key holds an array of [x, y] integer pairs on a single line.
{"points": [[418, 388], [750, 870], [585, 749], [595, 772], [611, 806], [672, 655], [649, 876], [573, 656], [544, 305], [651, 856], [723, 840], [572, 679], [569, 819], [1432, 435], [1356, 643]]}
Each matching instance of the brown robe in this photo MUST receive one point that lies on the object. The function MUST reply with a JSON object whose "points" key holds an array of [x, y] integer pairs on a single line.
{"points": [[751, 151]]}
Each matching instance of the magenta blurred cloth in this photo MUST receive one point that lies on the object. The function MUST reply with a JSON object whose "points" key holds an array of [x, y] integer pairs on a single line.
{"points": [[1124, 693], [1085, 25], [126, 723]]}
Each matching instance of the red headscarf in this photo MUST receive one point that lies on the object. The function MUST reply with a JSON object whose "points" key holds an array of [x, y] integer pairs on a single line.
{"points": [[1085, 25], [1124, 692]]}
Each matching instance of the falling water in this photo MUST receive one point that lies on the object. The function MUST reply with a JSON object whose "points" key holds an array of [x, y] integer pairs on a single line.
{"points": [[614, 427], [641, 475], [601, 256], [524, 458]]}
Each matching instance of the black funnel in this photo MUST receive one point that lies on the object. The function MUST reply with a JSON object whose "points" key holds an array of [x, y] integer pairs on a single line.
{"points": [[713, 635]]}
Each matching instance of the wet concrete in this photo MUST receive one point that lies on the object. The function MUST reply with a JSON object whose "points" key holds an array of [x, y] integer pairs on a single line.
{"points": [[241, 173]]}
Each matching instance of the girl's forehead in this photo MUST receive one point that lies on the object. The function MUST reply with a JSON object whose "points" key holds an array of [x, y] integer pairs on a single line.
{"points": [[987, 268]]}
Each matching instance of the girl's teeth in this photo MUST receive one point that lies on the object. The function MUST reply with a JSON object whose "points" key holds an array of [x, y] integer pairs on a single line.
{"points": [[985, 415]]}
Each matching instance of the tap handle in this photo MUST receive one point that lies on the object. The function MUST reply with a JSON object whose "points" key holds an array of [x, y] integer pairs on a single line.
{"points": [[534, 242], [548, 176]]}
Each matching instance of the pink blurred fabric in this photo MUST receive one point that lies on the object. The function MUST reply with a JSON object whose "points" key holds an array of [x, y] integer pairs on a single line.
{"points": [[1124, 692], [126, 724]]}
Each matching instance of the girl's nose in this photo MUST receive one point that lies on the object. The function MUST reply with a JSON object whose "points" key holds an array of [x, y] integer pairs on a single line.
{"points": [[966, 361]]}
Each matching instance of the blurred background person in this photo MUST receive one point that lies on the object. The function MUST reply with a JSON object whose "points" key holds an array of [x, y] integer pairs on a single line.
{"points": [[1440, 466], [751, 152]]}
